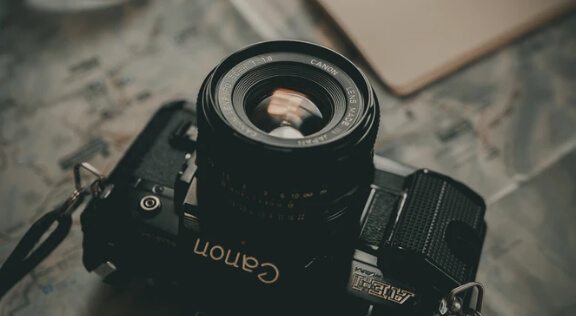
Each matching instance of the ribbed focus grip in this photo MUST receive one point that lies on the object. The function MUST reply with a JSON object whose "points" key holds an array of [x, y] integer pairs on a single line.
{"points": [[437, 232]]}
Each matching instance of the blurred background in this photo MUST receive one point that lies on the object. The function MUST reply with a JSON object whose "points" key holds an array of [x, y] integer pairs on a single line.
{"points": [[79, 79]]}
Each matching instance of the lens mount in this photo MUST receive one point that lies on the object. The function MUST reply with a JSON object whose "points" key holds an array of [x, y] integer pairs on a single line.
{"points": [[286, 133]]}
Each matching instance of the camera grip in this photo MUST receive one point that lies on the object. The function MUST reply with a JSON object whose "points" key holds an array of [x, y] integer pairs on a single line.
{"points": [[436, 235]]}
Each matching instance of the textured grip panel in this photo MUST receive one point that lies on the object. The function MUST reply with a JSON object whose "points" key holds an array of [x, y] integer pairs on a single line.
{"points": [[440, 227]]}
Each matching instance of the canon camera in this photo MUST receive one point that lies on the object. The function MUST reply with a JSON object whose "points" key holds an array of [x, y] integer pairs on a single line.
{"points": [[265, 198]]}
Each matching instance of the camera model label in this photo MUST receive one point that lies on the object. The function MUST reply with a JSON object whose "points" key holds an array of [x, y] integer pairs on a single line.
{"points": [[267, 272], [371, 282]]}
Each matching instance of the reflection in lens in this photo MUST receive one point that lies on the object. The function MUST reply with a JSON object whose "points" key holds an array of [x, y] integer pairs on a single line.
{"points": [[286, 132], [287, 114]]}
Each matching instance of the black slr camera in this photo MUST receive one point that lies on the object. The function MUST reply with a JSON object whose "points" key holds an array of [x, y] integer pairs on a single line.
{"points": [[267, 199]]}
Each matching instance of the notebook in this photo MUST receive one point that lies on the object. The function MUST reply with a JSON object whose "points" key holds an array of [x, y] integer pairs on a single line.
{"points": [[411, 43]]}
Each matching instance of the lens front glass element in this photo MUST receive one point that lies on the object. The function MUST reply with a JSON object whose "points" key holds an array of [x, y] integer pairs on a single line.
{"points": [[286, 113]]}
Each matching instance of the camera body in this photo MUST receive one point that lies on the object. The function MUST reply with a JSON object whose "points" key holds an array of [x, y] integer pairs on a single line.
{"points": [[408, 238]]}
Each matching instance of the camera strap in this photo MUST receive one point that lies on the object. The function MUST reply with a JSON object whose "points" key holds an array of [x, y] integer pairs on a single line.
{"points": [[28, 254]]}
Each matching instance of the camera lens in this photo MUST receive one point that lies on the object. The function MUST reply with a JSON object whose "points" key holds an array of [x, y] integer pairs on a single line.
{"points": [[286, 131]]}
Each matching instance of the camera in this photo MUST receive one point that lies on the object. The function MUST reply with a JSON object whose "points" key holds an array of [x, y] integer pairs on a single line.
{"points": [[265, 198]]}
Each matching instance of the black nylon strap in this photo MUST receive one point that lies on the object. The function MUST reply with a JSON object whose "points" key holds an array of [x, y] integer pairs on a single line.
{"points": [[24, 257]]}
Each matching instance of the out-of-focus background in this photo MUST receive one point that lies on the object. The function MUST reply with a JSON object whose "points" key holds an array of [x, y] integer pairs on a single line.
{"points": [[79, 79]]}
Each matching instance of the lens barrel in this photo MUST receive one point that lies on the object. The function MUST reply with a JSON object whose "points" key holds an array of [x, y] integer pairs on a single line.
{"points": [[286, 131]]}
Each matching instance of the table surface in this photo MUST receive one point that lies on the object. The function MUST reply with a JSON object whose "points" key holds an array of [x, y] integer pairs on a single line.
{"points": [[79, 79]]}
